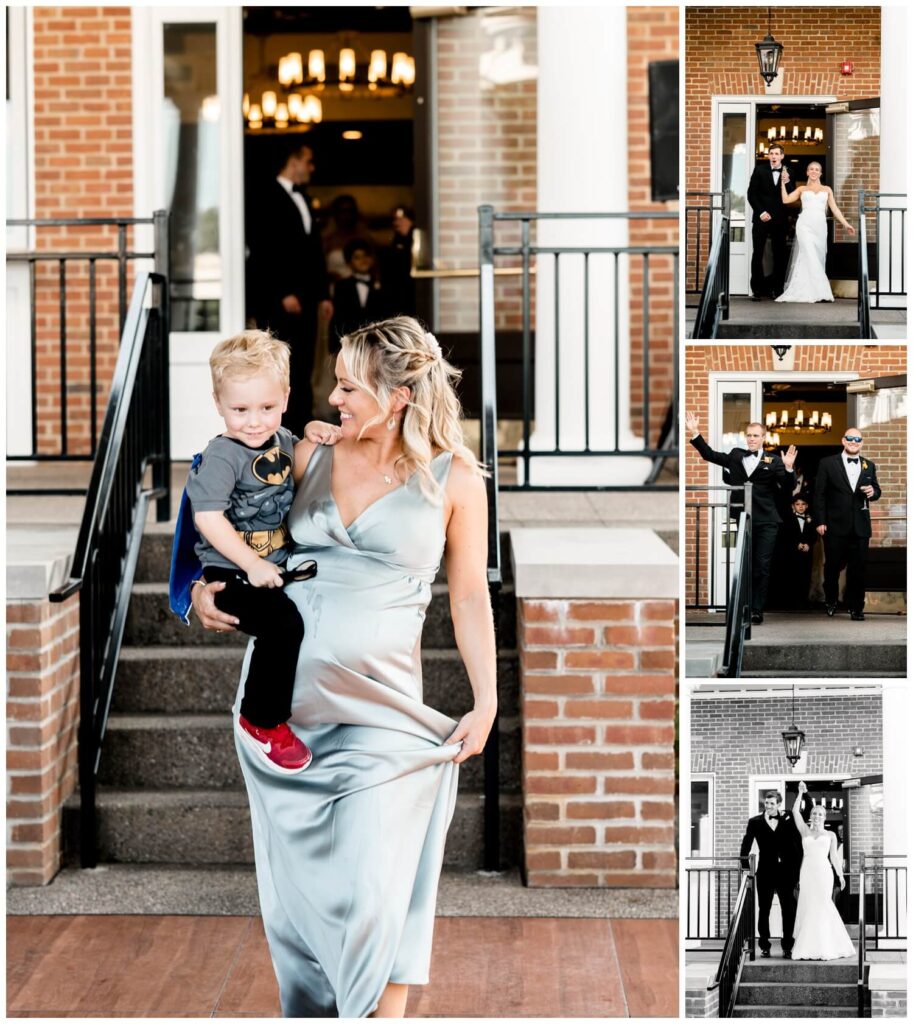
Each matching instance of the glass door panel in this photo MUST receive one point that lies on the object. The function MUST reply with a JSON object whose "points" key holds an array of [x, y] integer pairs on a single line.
{"points": [[733, 163]]}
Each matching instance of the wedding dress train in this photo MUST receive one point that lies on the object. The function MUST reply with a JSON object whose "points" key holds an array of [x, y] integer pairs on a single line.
{"points": [[806, 280]]}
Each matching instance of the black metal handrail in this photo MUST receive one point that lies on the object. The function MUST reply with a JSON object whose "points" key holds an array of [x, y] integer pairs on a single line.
{"points": [[740, 943], [712, 203], [122, 255], [734, 498], [864, 299], [714, 304], [135, 438], [889, 912], [888, 282], [738, 608], [666, 444], [711, 884], [489, 456]]}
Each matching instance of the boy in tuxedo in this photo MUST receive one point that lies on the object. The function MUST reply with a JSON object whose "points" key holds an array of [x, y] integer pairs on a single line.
{"points": [[358, 299]]}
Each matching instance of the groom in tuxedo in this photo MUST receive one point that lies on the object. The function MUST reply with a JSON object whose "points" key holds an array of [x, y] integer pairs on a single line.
{"points": [[766, 473], [844, 486], [769, 220], [779, 861]]}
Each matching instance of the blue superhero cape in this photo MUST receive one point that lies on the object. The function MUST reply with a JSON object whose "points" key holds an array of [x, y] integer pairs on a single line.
{"points": [[185, 566]]}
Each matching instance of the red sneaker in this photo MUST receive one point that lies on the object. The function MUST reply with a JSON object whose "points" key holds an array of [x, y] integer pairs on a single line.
{"points": [[279, 746]]}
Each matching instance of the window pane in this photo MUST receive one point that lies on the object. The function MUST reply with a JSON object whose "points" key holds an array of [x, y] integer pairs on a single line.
{"points": [[701, 834], [192, 121], [856, 146], [734, 170], [736, 417]]}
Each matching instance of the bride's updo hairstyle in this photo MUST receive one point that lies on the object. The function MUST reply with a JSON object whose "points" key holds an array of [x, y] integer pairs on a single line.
{"points": [[399, 352]]}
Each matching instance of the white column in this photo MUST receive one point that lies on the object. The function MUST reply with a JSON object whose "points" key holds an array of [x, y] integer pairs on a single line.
{"points": [[582, 167], [894, 118], [895, 754]]}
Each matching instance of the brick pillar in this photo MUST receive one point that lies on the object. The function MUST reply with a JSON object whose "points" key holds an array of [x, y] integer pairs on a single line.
{"points": [[42, 660], [597, 699]]}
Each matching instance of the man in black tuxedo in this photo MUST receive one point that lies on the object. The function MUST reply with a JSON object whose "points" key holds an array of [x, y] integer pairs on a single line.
{"points": [[779, 861], [795, 553], [769, 220], [288, 274], [766, 473], [359, 299], [845, 485]]}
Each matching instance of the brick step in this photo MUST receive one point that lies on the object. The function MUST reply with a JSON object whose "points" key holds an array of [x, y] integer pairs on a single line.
{"points": [[823, 660], [799, 971], [207, 827], [780, 993], [154, 563], [150, 622], [794, 1012], [194, 679], [152, 751]]}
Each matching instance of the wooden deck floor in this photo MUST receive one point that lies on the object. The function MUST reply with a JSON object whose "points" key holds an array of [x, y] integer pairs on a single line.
{"points": [[107, 966]]}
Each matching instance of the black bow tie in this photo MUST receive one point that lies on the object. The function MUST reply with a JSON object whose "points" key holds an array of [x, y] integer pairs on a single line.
{"points": [[300, 189], [772, 817], [753, 455], [852, 460], [364, 278]]}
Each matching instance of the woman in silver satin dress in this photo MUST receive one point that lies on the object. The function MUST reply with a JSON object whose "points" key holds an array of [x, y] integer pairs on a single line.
{"points": [[349, 853]]}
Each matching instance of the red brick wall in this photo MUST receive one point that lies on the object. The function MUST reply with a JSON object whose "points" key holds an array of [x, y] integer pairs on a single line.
{"points": [[721, 60], [736, 737], [486, 154], [886, 444], [597, 700], [652, 36], [83, 168], [42, 716]]}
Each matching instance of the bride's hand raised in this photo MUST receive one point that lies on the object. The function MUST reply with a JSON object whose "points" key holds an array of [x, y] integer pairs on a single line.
{"points": [[802, 788]]}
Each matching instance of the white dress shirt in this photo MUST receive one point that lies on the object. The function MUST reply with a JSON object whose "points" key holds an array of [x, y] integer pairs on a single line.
{"points": [[750, 462], [801, 523], [298, 200], [772, 823], [852, 470]]}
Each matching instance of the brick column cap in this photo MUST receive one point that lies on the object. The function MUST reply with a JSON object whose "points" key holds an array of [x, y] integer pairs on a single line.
{"points": [[600, 562], [699, 975], [888, 977], [37, 560]]}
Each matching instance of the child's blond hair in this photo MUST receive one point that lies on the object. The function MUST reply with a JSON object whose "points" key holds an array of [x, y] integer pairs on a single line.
{"points": [[248, 354]]}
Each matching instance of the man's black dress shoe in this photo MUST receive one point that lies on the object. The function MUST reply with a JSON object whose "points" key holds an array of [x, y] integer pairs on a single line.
{"points": [[765, 952], [788, 955], [757, 618], [857, 616], [831, 610], [756, 298]]}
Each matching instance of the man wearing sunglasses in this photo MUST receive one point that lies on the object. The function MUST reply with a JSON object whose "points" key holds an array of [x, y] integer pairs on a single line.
{"points": [[844, 486]]}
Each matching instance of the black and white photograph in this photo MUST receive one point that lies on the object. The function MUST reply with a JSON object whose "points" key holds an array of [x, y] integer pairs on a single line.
{"points": [[795, 876]]}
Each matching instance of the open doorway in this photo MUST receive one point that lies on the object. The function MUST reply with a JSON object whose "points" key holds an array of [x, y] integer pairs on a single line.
{"points": [[343, 81]]}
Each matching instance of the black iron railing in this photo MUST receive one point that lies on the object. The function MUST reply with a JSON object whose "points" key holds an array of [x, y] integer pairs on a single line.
{"points": [[738, 607], [887, 228], [711, 891], [863, 296], [883, 882], [489, 456], [714, 302], [659, 443], [740, 944], [70, 350], [132, 469], [700, 213]]}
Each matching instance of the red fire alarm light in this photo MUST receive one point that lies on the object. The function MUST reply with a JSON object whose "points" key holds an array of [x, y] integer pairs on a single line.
{"points": [[847, 67]]}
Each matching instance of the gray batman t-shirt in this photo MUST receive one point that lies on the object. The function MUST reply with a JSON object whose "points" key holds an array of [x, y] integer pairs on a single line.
{"points": [[254, 487]]}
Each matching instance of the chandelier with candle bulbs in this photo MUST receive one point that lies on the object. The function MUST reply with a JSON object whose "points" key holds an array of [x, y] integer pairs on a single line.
{"points": [[800, 422], [296, 98], [795, 136]]}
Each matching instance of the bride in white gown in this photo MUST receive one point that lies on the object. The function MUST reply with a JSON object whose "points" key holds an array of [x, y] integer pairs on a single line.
{"points": [[806, 280], [819, 932]]}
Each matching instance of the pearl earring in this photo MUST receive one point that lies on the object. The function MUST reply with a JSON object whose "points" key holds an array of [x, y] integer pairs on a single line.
{"points": [[391, 423]]}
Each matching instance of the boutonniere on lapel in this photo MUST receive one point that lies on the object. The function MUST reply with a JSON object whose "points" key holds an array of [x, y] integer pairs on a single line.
{"points": [[767, 459], [865, 465]]}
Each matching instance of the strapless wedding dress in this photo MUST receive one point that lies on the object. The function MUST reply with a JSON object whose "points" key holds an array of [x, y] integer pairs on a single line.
{"points": [[806, 280], [819, 932]]}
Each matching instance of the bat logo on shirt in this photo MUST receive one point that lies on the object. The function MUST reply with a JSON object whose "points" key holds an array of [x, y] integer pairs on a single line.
{"points": [[273, 466]]}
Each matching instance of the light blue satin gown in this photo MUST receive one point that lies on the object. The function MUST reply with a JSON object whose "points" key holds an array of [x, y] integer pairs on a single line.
{"points": [[349, 852]]}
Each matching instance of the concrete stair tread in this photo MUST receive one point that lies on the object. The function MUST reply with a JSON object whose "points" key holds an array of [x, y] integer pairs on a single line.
{"points": [[797, 1011]]}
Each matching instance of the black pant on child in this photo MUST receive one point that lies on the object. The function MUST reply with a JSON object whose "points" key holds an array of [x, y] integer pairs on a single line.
{"points": [[269, 615]]}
